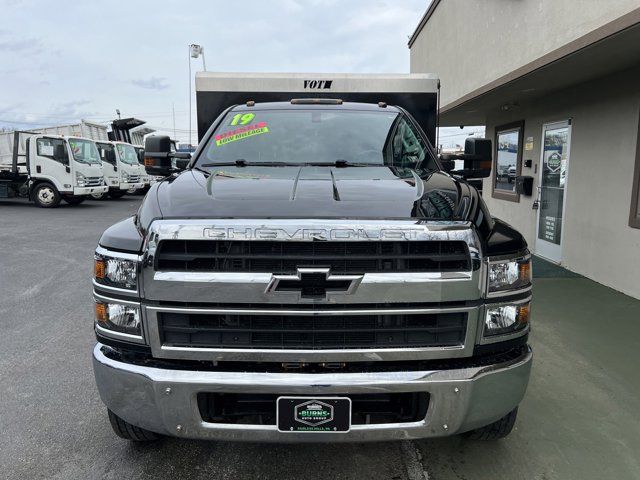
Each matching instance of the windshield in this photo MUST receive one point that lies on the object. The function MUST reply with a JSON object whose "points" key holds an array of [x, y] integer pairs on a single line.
{"points": [[318, 136], [127, 153], [84, 151]]}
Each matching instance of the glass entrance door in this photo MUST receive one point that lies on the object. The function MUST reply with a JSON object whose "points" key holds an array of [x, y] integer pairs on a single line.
{"points": [[554, 170]]}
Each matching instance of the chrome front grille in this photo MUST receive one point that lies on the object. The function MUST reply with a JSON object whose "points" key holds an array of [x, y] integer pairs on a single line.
{"points": [[133, 179], [242, 290], [93, 181]]}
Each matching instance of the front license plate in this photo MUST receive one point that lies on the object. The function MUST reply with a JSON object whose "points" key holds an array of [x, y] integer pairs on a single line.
{"points": [[314, 414]]}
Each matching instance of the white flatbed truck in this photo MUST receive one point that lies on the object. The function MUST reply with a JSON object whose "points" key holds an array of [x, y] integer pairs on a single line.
{"points": [[47, 168]]}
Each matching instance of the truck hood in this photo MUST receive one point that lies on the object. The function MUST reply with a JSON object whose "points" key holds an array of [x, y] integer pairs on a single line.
{"points": [[313, 192]]}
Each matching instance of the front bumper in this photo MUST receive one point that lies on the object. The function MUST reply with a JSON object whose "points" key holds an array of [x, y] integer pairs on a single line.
{"points": [[164, 401], [89, 190], [129, 186]]}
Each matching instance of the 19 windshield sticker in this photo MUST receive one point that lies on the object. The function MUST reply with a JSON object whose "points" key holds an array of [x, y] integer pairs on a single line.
{"points": [[241, 133]]}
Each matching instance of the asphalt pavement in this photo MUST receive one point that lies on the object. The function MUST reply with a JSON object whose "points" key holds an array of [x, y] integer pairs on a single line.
{"points": [[579, 419]]}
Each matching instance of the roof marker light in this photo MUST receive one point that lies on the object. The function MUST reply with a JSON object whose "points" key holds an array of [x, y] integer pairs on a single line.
{"points": [[316, 101]]}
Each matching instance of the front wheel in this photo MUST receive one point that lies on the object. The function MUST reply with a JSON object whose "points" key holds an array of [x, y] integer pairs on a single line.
{"points": [[100, 196], [45, 195], [495, 430], [74, 200], [130, 432], [117, 193]]}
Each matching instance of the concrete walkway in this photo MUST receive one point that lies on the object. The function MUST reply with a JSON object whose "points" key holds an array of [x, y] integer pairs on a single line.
{"points": [[580, 418]]}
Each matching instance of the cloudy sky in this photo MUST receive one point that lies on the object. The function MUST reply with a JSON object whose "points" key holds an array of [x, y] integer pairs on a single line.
{"points": [[63, 61]]}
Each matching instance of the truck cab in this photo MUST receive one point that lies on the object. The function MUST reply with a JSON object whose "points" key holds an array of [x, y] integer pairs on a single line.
{"points": [[51, 168], [122, 170]]}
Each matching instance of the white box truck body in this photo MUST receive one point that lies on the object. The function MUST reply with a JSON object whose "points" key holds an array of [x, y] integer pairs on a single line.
{"points": [[85, 129]]}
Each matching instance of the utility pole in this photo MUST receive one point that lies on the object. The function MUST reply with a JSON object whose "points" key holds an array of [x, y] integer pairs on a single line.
{"points": [[195, 51], [189, 57], [173, 109]]}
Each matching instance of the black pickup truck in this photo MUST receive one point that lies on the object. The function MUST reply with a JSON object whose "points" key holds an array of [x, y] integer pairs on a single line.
{"points": [[315, 273]]}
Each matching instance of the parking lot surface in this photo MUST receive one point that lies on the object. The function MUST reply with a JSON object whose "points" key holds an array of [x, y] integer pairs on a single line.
{"points": [[579, 419]]}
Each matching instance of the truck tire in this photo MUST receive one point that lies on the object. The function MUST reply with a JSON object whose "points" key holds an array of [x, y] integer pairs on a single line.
{"points": [[71, 200], [117, 193], [45, 195], [496, 430], [100, 196], [130, 432]]}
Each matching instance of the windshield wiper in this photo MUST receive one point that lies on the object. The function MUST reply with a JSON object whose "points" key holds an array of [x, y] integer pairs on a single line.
{"points": [[341, 164], [241, 162]]}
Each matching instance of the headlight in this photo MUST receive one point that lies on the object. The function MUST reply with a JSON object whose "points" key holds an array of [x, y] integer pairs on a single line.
{"points": [[125, 177], [508, 318], [81, 180], [118, 317], [116, 272], [509, 274]]}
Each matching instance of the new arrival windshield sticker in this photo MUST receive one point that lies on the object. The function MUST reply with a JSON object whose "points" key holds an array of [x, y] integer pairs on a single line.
{"points": [[241, 133]]}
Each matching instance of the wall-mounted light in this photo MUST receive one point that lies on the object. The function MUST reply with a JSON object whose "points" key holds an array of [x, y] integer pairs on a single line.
{"points": [[509, 106]]}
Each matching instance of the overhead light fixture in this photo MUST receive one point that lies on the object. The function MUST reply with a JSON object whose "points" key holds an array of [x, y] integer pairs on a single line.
{"points": [[196, 50], [509, 106]]}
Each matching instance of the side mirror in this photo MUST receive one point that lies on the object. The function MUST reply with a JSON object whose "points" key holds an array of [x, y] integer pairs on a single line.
{"points": [[477, 158], [158, 155]]}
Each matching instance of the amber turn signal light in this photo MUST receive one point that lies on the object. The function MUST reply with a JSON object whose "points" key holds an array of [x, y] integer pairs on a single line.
{"points": [[523, 314], [98, 268], [524, 271], [102, 315], [149, 162]]}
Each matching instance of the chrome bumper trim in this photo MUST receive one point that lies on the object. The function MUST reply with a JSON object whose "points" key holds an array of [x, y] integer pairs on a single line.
{"points": [[253, 287], [165, 401]]}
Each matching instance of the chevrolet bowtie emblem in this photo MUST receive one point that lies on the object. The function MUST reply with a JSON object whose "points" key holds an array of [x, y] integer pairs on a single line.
{"points": [[314, 284]]}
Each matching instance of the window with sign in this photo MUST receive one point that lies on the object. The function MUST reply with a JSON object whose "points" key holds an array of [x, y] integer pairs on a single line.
{"points": [[53, 148], [508, 159]]}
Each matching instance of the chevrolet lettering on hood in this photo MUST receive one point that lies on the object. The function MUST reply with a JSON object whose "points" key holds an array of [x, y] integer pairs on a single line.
{"points": [[265, 233]]}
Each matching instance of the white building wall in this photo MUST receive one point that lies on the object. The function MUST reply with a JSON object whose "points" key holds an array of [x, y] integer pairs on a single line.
{"points": [[472, 43], [597, 239]]}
